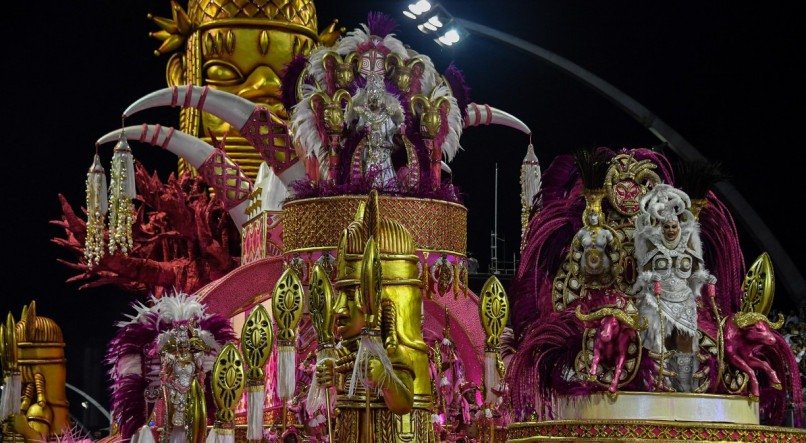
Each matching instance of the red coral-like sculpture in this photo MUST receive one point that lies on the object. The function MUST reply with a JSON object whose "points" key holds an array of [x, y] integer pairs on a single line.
{"points": [[183, 239]]}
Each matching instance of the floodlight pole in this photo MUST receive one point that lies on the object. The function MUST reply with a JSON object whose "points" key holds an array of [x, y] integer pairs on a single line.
{"points": [[788, 273]]}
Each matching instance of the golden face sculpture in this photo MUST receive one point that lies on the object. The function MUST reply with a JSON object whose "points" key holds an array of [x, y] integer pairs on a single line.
{"points": [[238, 46], [350, 317], [248, 61]]}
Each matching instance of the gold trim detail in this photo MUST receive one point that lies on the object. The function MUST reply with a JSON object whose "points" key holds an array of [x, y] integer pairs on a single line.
{"points": [[641, 430], [317, 224]]}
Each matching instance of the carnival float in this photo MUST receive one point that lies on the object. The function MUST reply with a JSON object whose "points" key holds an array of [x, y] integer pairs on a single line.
{"points": [[305, 277]]}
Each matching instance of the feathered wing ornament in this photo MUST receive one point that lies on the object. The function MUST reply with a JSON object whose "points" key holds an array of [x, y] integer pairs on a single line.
{"points": [[121, 193], [530, 188], [256, 342], [97, 205]]}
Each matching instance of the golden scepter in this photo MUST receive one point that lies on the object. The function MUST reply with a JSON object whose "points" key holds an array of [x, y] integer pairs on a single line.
{"points": [[256, 342], [287, 308], [321, 307], [494, 314], [228, 382]]}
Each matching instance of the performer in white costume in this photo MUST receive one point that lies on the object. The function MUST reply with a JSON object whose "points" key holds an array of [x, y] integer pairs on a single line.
{"points": [[669, 252]]}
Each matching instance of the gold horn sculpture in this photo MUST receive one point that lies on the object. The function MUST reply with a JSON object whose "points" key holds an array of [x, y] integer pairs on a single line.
{"points": [[256, 342], [287, 306], [228, 382], [320, 303]]}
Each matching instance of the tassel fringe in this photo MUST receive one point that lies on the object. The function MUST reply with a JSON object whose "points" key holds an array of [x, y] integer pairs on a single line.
{"points": [[371, 346], [257, 401], [121, 193], [491, 376], [143, 435], [97, 206], [286, 372], [12, 395]]}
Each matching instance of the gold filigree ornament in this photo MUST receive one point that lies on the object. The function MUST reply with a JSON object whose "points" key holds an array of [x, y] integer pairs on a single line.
{"points": [[494, 314], [287, 305], [758, 287], [494, 311], [320, 304], [229, 380], [627, 181], [256, 342]]}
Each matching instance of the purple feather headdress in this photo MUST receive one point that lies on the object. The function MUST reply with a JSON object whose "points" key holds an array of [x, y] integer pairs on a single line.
{"points": [[380, 24], [133, 353]]}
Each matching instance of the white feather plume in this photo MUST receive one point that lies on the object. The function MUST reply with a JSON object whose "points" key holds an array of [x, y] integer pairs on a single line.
{"points": [[315, 67], [429, 80], [303, 125], [451, 144], [128, 365]]}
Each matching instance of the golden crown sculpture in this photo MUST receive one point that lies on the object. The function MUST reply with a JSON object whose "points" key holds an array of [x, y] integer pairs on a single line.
{"points": [[295, 15]]}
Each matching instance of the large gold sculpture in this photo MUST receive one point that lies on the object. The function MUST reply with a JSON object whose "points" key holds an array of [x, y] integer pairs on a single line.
{"points": [[34, 346], [402, 410], [241, 47]]}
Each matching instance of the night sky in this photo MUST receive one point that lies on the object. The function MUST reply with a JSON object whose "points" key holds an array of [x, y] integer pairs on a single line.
{"points": [[724, 77]]}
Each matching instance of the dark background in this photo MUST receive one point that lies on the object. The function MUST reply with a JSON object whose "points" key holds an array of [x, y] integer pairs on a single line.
{"points": [[725, 77]]}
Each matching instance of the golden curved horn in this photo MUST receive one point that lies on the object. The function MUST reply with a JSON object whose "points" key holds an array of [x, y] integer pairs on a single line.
{"points": [[331, 55], [441, 101], [342, 94], [392, 61], [421, 100], [350, 58], [414, 61]]}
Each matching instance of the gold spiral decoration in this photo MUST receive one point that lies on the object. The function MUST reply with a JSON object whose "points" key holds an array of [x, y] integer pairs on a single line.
{"points": [[256, 341], [228, 382], [286, 305], [321, 305], [493, 311]]}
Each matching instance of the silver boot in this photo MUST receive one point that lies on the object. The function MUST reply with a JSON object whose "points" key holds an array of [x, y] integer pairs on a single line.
{"points": [[685, 364]]}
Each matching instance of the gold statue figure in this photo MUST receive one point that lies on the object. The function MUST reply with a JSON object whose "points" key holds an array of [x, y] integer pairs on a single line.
{"points": [[401, 409], [34, 346], [241, 47]]}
